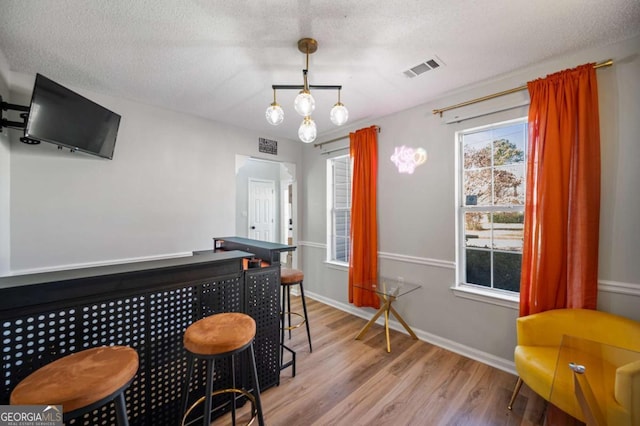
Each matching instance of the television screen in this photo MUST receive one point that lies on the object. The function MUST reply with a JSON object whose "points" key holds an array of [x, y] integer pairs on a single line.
{"points": [[65, 118]]}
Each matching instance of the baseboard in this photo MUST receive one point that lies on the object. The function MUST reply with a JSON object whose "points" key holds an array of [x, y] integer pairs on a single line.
{"points": [[100, 263], [469, 352]]}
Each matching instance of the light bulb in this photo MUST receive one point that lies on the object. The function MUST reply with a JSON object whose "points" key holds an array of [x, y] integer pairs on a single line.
{"points": [[304, 103], [274, 114], [307, 131], [339, 114]]}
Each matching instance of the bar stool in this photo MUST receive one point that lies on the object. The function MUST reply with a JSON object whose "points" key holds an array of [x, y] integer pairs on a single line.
{"points": [[82, 382], [216, 337], [288, 278]]}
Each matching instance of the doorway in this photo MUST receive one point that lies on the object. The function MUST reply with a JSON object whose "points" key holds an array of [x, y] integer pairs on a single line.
{"points": [[284, 206]]}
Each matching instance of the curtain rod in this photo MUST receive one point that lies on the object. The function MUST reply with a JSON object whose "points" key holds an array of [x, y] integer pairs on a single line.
{"points": [[316, 145], [506, 92]]}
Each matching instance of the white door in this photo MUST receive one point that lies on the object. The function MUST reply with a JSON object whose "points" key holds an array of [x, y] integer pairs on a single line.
{"points": [[262, 196]]}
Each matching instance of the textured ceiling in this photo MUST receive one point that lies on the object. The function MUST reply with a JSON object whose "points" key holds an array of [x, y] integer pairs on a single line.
{"points": [[219, 58]]}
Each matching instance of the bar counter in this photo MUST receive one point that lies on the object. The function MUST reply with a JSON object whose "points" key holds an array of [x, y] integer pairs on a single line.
{"points": [[145, 305]]}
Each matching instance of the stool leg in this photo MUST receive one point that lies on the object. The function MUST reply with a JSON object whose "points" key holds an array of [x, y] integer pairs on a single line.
{"points": [[256, 386], [306, 317], [233, 395], [209, 390], [293, 365], [282, 325], [289, 308], [121, 410], [187, 379]]}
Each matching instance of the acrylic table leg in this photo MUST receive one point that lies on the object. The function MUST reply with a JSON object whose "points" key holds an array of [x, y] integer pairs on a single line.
{"points": [[370, 323]]}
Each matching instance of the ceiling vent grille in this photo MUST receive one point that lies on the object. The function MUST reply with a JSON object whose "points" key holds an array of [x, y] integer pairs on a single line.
{"points": [[421, 68]]}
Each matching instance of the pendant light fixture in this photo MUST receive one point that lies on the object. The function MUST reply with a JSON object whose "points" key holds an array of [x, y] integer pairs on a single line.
{"points": [[274, 113], [304, 103], [339, 113]]}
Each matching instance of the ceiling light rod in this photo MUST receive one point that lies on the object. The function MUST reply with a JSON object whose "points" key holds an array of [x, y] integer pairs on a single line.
{"points": [[300, 87], [304, 103]]}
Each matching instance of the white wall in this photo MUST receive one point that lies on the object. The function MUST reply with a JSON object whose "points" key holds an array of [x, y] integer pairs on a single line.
{"points": [[5, 175], [416, 213], [168, 190]]}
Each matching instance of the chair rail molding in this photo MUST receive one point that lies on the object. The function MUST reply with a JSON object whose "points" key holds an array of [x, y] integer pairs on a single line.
{"points": [[439, 263], [312, 244], [618, 287]]}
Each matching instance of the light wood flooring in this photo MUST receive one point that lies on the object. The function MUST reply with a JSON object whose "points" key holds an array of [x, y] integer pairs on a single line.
{"points": [[350, 382]]}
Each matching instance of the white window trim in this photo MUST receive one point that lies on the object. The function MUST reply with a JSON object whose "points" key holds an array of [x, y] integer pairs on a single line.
{"points": [[505, 299], [336, 264], [340, 266], [469, 291]]}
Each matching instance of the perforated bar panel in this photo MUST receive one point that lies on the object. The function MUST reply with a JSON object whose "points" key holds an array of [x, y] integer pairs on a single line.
{"points": [[263, 304], [152, 322]]}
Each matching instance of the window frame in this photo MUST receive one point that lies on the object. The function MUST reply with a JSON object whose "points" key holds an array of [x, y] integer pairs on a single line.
{"points": [[331, 210], [461, 288]]}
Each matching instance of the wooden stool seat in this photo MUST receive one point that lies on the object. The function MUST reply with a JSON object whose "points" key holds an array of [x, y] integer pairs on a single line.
{"points": [[290, 276], [214, 338], [79, 380], [219, 334]]}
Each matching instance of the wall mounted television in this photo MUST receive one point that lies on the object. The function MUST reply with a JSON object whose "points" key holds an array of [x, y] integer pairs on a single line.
{"points": [[60, 116]]}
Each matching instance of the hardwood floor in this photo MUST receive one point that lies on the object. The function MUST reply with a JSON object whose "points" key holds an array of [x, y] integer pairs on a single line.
{"points": [[350, 382]]}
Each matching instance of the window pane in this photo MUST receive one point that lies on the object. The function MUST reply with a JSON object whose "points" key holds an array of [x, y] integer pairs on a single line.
{"points": [[342, 222], [508, 184], [506, 271], [508, 231], [479, 267], [477, 229], [477, 150], [340, 218], [342, 183], [342, 249], [342, 196], [509, 144], [477, 187]]}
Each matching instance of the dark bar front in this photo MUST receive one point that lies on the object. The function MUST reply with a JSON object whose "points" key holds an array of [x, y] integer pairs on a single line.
{"points": [[145, 305]]}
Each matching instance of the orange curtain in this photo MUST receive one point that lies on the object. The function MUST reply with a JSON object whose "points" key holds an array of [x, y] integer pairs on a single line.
{"points": [[562, 207], [363, 261]]}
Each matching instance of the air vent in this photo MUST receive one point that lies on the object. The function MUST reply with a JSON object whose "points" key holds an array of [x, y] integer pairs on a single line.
{"points": [[421, 68]]}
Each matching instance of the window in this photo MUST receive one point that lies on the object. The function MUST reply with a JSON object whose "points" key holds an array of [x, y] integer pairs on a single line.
{"points": [[339, 209], [491, 192]]}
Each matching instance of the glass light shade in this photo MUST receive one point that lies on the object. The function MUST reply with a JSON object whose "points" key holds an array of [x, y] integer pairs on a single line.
{"points": [[339, 114], [274, 114], [304, 103], [307, 131]]}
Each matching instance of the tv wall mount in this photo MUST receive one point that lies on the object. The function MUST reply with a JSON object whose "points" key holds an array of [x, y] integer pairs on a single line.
{"points": [[20, 125]]}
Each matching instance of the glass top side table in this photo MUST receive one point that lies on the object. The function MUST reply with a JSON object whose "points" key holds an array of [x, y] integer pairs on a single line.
{"points": [[584, 383], [388, 290]]}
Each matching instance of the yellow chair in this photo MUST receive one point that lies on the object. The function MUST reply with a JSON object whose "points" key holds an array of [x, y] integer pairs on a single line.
{"points": [[536, 355]]}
